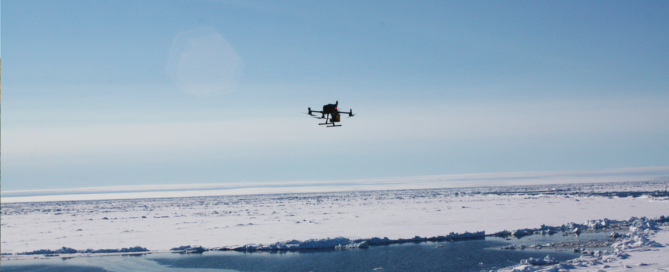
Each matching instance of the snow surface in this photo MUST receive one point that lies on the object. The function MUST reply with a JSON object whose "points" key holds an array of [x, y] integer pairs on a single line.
{"points": [[336, 219]]}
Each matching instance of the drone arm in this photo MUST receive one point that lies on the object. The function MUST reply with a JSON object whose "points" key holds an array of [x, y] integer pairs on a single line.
{"points": [[350, 113], [311, 111]]}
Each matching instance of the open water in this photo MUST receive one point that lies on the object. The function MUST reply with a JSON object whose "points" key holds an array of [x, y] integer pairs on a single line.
{"points": [[465, 255]]}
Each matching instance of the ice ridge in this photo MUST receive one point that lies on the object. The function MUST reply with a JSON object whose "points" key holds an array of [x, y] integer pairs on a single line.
{"points": [[346, 243]]}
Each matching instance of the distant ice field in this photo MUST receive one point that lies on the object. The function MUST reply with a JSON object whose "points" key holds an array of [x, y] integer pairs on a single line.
{"points": [[402, 183], [159, 224]]}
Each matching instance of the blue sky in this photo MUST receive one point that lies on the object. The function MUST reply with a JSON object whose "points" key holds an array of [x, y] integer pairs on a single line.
{"points": [[109, 93]]}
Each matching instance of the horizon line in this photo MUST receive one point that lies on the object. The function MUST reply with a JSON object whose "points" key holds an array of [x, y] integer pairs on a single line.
{"points": [[394, 183]]}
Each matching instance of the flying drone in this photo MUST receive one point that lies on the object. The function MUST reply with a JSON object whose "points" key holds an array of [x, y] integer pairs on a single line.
{"points": [[331, 111]]}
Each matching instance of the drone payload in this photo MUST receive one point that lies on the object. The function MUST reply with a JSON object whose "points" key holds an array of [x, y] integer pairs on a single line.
{"points": [[331, 114]]}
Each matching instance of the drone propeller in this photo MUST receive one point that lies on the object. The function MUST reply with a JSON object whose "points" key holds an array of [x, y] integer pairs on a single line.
{"points": [[350, 114]]}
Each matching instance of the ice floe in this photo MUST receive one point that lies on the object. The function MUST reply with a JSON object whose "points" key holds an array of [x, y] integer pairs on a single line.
{"points": [[636, 241]]}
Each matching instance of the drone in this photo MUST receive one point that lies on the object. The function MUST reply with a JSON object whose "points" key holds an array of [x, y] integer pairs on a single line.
{"points": [[330, 110]]}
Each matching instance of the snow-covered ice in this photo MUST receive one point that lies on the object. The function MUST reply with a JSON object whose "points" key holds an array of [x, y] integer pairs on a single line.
{"points": [[644, 248], [333, 219]]}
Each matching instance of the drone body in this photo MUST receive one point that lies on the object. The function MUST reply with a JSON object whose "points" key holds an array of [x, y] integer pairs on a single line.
{"points": [[331, 114]]}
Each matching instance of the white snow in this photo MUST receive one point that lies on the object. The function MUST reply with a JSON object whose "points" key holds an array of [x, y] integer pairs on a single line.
{"points": [[337, 219]]}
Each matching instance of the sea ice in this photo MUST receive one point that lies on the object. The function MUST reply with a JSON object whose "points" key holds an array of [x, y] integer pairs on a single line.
{"points": [[259, 222]]}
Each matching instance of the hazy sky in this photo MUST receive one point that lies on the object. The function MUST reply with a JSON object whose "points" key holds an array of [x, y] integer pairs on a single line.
{"points": [[103, 93]]}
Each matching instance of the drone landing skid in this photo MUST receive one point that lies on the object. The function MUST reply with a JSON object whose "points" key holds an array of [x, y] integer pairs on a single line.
{"points": [[330, 124]]}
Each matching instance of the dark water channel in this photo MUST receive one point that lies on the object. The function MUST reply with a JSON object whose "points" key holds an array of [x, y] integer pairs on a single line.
{"points": [[466, 255]]}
